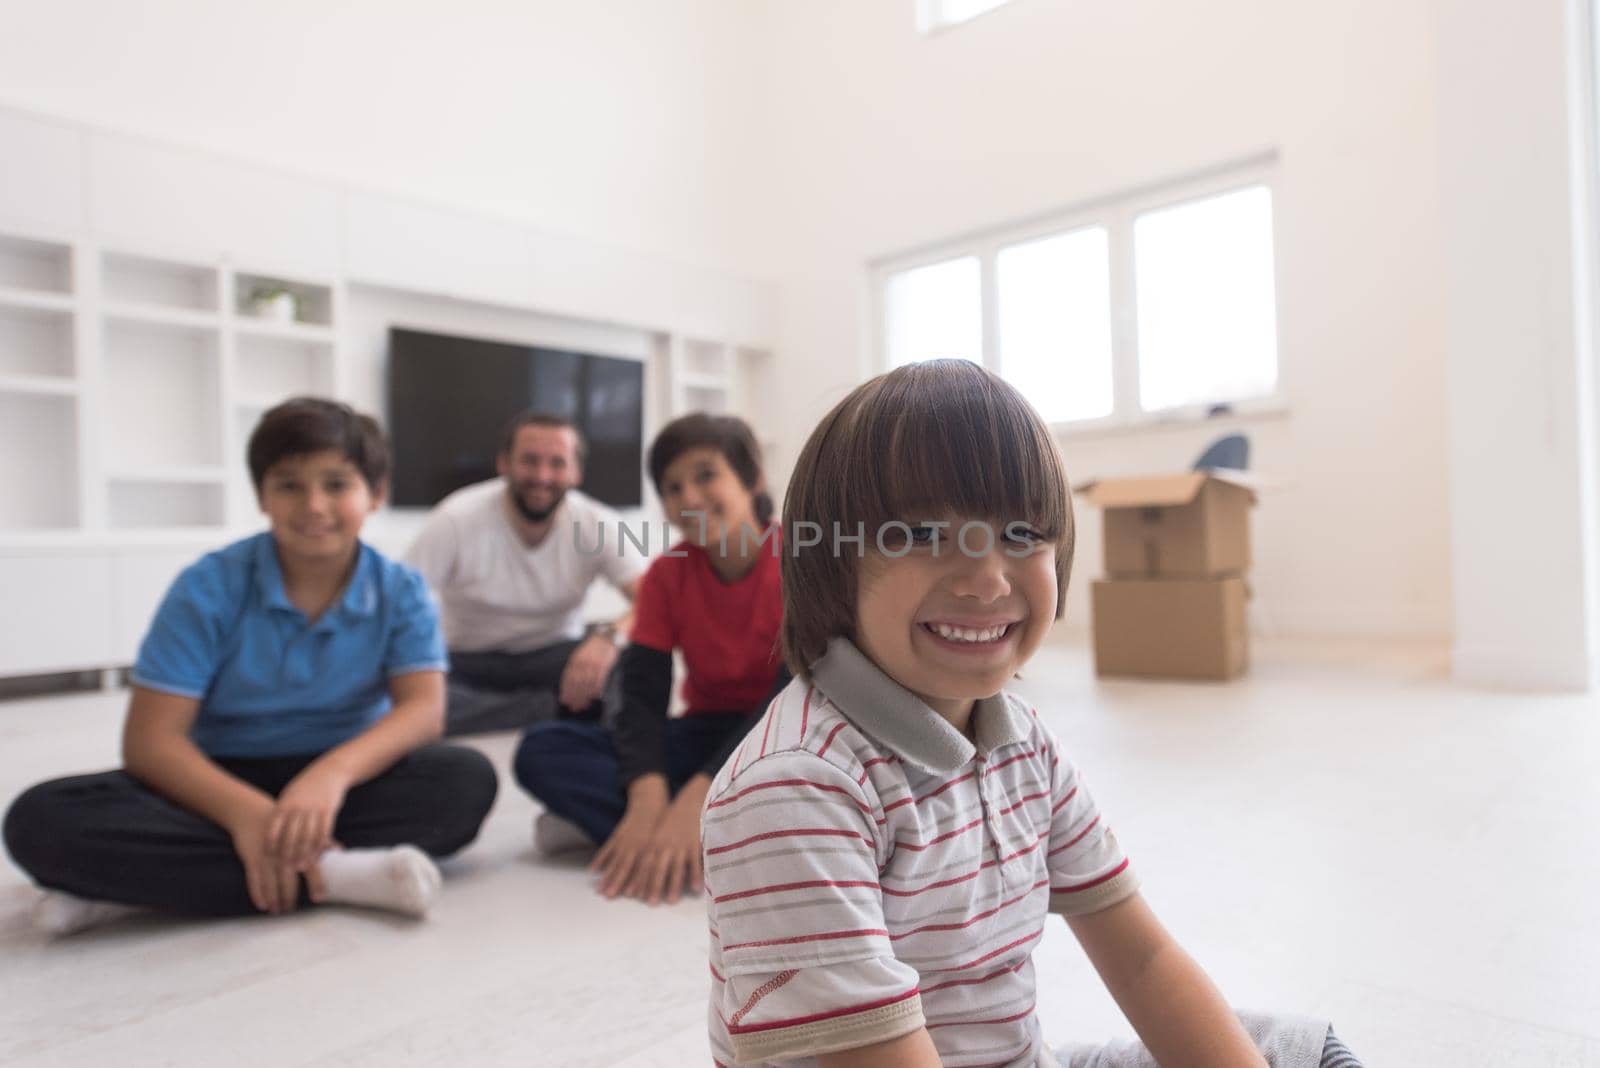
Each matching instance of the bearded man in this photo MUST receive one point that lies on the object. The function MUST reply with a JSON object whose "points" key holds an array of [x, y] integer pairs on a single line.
{"points": [[511, 561]]}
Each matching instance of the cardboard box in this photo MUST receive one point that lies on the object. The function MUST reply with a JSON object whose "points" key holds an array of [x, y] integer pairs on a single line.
{"points": [[1171, 628], [1190, 525]]}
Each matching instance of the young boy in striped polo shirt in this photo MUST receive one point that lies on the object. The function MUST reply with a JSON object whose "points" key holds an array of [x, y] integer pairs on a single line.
{"points": [[882, 851]]}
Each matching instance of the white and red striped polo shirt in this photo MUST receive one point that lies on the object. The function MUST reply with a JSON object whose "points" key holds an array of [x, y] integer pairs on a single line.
{"points": [[870, 871]]}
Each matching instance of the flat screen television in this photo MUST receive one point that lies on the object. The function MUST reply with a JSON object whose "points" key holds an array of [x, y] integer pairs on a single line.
{"points": [[450, 397]]}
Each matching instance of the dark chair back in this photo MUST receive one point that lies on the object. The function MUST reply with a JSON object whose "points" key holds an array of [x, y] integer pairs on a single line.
{"points": [[1232, 451]]}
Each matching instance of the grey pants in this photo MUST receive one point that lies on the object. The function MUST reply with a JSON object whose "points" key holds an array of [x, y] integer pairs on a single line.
{"points": [[1286, 1042], [509, 691]]}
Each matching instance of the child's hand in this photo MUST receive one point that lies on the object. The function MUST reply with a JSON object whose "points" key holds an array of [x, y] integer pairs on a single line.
{"points": [[273, 885], [302, 821], [673, 865], [621, 861], [584, 677]]}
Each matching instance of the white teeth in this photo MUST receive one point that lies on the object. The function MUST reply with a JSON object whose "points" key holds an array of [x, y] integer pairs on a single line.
{"points": [[967, 634]]}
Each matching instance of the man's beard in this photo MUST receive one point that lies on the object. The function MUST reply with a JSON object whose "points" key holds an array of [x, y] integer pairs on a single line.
{"points": [[536, 515]]}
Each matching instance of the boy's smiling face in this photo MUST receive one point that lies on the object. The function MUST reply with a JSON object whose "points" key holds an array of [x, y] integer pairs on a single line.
{"points": [[316, 503], [705, 499], [953, 626]]}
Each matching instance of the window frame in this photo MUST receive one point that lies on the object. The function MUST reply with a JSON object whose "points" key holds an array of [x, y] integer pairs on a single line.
{"points": [[1116, 214]]}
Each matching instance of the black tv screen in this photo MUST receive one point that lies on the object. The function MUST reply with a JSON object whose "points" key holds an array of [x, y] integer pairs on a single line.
{"points": [[449, 398]]}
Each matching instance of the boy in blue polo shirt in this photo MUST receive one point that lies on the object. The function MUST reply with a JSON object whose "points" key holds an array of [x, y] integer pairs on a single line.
{"points": [[278, 748]]}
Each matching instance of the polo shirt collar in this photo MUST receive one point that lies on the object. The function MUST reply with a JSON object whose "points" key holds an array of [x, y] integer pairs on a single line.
{"points": [[361, 593], [269, 575], [360, 597], [902, 722]]}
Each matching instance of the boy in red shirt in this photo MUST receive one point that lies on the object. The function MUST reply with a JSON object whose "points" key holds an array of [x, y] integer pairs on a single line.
{"points": [[636, 788]]}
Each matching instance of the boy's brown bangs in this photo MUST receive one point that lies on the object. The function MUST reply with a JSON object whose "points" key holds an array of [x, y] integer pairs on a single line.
{"points": [[949, 438], [932, 441]]}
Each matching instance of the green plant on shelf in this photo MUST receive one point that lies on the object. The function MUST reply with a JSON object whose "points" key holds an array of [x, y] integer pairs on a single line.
{"points": [[273, 301]]}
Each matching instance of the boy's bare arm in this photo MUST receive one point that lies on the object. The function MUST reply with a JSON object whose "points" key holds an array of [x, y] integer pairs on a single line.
{"points": [[908, 1051], [1178, 1012], [157, 751]]}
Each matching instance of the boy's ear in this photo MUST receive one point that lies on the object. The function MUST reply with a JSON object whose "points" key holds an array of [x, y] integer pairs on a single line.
{"points": [[380, 496]]}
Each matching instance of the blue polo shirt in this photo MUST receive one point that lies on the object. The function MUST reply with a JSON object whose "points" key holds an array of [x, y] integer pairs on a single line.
{"points": [[270, 682]]}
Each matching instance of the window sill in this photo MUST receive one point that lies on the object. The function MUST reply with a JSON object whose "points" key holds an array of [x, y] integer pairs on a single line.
{"points": [[1260, 409]]}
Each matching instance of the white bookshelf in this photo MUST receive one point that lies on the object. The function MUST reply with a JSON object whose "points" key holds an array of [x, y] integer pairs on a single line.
{"points": [[160, 363], [755, 397], [150, 502], [36, 340], [39, 457], [723, 378], [271, 359], [12, 297], [130, 381], [32, 265], [701, 375], [102, 235], [269, 367], [39, 385], [160, 285]]}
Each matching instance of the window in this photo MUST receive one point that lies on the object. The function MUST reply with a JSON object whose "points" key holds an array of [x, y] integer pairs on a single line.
{"points": [[1055, 323], [1207, 327], [934, 311], [934, 15], [1149, 305]]}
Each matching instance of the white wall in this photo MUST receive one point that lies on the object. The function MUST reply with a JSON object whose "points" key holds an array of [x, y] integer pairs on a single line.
{"points": [[621, 122], [1517, 124], [888, 140]]}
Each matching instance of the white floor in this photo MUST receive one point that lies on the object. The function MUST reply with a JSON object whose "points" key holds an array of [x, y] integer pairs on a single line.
{"points": [[1345, 834]]}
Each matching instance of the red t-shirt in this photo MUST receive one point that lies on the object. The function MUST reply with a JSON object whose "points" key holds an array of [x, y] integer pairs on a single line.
{"points": [[728, 633]]}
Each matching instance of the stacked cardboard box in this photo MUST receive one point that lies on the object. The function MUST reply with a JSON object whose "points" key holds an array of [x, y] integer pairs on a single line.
{"points": [[1177, 549]]}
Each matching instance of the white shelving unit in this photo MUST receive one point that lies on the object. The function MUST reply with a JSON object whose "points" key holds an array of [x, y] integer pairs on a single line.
{"points": [[701, 374], [39, 455], [271, 360], [722, 378], [130, 381], [108, 241], [35, 266], [36, 338], [755, 397], [39, 384], [160, 349]]}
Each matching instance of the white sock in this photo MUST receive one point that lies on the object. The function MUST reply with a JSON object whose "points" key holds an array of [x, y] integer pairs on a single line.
{"points": [[58, 913], [399, 878], [553, 835]]}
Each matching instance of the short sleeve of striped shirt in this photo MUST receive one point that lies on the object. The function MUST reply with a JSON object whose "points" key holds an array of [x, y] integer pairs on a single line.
{"points": [[800, 952], [1087, 868]]}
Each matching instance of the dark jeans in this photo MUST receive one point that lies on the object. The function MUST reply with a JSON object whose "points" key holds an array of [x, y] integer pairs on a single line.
{"points": [[572, 768], [109, 837], [501, 691]]}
